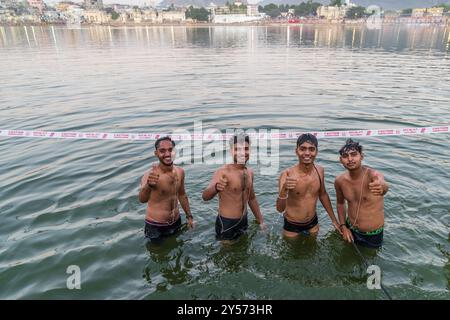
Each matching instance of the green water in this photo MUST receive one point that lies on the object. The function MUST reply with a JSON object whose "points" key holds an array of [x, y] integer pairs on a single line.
{"points": [[74, 202]]}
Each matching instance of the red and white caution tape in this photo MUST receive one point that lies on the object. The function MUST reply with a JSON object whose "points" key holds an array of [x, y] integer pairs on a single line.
{"points": [[261, 135]]}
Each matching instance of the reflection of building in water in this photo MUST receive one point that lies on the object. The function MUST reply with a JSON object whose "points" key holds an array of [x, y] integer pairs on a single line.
{"points": [[93, 4]]}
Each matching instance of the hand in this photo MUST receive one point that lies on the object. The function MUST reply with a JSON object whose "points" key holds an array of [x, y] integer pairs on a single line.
{"points": [[336, 226], [347, 234], [153, 177], [263, 227], [375, 186], [290, 182], [191, 223], [223, 182]]}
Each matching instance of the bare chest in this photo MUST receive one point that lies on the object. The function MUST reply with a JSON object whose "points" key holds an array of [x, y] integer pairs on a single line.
{"points": [[355, 191], [307, 185], [168, 184], [239, 182]]}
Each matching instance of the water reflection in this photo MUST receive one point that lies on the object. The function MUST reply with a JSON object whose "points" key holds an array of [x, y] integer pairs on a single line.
{"points": [[233, 257], [389, 37], [169, 264]]}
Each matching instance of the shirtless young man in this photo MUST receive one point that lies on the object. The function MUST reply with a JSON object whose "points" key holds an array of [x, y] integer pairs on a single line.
{"points": [[299, 189], [161, 188], [363, 188], [234, 185]]}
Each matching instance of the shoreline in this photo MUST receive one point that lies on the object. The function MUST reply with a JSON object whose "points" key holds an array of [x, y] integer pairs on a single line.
{"points": [[201, 25]]}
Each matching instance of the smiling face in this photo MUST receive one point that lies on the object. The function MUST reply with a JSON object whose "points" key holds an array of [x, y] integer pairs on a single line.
{"points": [[165, 152], [306, 152], [352, 159], [240, 152]]}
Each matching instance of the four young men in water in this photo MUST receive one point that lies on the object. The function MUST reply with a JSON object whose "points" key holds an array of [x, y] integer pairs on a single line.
{"points": [[300, 187]]}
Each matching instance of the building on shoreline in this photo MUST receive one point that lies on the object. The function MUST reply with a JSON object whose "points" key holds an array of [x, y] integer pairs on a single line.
{"points": [[334, 12], [96, 16], [427, 12], [237, 13]]}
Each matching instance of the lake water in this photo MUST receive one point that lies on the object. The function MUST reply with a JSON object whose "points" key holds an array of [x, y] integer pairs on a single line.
{"points": [[74, 202]]}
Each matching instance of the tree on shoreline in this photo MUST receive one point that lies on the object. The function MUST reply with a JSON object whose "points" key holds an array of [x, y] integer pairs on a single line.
{"points": [[443, 5], [356, 13], [303, 9], [199, 14], [407, 12], [335, 3]]}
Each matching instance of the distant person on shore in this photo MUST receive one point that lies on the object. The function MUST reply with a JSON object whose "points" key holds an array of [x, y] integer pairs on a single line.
{"points": [[234, 185], [299, 189], [363, 188], [161, 188]]}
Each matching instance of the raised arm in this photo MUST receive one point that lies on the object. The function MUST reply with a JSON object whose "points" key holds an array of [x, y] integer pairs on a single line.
{"points": [[211, 191], [144, 192], [377, 185], [148, 182], [282, 193]]}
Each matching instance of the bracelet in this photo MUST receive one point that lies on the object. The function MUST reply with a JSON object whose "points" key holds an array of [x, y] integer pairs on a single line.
{"points": [[342, 225], [283, 198]]}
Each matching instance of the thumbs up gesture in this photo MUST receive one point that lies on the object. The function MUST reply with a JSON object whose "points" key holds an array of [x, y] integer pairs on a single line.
{"points": [[376, 186], [153, 177], [290, 182], [223, 182]]}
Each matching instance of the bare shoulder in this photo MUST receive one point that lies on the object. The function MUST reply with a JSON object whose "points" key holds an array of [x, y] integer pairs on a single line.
{"points": [[285, 171], [373, 172], [223, 169], [340, 178], [320, 168], [179, 170]]}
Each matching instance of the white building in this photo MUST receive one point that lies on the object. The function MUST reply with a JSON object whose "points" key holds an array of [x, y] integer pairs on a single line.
{"points": [[96, 16], [252, 10], [225, 15], [172, 16], [334, 12]]}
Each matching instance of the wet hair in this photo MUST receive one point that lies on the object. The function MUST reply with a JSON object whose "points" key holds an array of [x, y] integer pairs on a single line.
{"points": [[166, 138], [350, 145], [307, 137], [239, 137]]}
